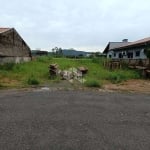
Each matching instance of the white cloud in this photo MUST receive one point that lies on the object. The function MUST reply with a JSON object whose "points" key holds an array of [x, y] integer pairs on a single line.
{"points": [[83, 24]]}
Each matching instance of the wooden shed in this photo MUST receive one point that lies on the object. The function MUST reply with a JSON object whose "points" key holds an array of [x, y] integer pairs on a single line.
{"points": [[12, 47]]}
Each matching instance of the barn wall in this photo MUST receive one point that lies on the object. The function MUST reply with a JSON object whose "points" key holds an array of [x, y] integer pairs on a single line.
{"points": [[11, 44], [4, 60]]}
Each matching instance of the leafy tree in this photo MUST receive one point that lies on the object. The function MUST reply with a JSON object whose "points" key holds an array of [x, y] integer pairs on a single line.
{"points": [[57, 51], [53, 50], [60, 51]]}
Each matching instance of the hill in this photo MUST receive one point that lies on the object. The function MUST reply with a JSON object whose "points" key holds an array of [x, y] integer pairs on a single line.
{"points": [[72, 52]]}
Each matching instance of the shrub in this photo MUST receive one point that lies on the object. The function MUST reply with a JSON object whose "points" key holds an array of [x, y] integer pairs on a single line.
{"points": [[92, 83], [32, 81], [97, 60], [44, 59], [1, 85], [118, 77], [7, 66], [115, 78]]}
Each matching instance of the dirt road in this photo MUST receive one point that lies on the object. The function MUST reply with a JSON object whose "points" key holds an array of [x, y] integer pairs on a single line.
{"points": [[74, 120]]}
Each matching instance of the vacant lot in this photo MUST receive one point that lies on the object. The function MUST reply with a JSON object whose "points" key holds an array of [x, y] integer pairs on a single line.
{"points": [[74, 120], [37, 72]]}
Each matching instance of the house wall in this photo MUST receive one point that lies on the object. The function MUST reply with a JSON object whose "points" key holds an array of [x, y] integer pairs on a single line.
{"points": [[125, 54]]}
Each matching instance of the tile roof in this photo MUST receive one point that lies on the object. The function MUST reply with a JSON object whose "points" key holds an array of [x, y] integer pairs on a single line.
{"points": [[113, 45], [4, 29]]}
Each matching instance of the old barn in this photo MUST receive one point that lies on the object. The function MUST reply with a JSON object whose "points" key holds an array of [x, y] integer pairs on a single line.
{"points": [[12, 47]]}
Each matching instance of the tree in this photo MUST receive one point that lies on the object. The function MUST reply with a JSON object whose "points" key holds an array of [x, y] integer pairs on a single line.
{"points": [[53, 50], [57, 51], [60, 51]]}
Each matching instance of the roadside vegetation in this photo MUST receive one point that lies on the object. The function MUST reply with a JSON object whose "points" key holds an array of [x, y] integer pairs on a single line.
{"points": [[36, 72]]}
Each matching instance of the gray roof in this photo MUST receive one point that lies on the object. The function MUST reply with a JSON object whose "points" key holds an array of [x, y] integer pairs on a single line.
{"points": [[141, 42], [112, 45]]}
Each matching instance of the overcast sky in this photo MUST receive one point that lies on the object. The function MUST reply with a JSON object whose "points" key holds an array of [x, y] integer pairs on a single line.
{"points": [[82, 24]]}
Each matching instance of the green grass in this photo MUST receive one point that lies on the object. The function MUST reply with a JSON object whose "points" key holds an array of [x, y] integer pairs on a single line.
{"points": [[33, 81], [93, 83], [37, 71]]}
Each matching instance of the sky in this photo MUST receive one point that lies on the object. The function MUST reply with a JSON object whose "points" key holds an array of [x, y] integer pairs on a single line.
{"points": [[80, 24]]}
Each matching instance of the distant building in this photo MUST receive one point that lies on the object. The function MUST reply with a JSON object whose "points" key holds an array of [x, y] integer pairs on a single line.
{"points": [[39, 53], [12, 47], [127, 50]]}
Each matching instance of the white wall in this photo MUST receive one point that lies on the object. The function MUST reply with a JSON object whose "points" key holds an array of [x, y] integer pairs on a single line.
{"points": [[142, 55]]}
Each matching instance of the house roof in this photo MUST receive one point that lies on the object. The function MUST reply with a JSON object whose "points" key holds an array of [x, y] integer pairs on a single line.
{"points": [[112, 45], [141, 42], [4, 30]]}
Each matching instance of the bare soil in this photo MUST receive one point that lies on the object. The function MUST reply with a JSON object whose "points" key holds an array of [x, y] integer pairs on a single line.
{"points": [[142, 86], [135, 86], [7, 82]]}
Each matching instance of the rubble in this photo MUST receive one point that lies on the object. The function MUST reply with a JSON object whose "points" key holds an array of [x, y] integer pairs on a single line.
{"points": [[70, 74], [83, 70], [53, 70]]}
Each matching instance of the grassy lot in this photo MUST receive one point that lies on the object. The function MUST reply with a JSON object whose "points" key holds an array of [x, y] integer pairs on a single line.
{"points": [[36, 72]]}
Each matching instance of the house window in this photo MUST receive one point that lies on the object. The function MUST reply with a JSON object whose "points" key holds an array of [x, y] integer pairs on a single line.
{"points": [[130, 54], [109, 56], [124, 53], [120, 55], [114, 54], [137, 54]]}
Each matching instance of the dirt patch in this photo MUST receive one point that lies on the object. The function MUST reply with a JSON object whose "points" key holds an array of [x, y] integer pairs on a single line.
{"points": [[7, 82], [136, 86], [142, 86]]}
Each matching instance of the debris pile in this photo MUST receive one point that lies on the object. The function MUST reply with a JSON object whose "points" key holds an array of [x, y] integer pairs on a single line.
{"points": [[70, 74], [53, 70], [66, 75], [83, 70]]}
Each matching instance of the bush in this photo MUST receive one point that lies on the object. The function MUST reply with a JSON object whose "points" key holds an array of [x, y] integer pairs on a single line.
{"points": [[118, 77], [1, 85], [7, 66], [32, 81], [115, 78], [44, 59], [92, 83]]}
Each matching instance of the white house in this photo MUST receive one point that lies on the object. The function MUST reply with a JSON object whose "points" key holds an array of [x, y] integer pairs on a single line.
{"points": [[127, 50]]}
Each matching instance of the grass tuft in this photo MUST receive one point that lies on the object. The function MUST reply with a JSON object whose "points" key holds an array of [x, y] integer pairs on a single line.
{"points": [[7, 66], [93, 83], [33, 81]]}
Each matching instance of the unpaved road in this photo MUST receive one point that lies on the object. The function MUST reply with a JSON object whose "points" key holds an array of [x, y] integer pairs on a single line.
{"points": [[74, 120]]}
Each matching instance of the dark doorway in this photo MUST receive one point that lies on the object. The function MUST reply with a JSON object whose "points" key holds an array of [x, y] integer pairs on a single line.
{"points": [[130, 54]]}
